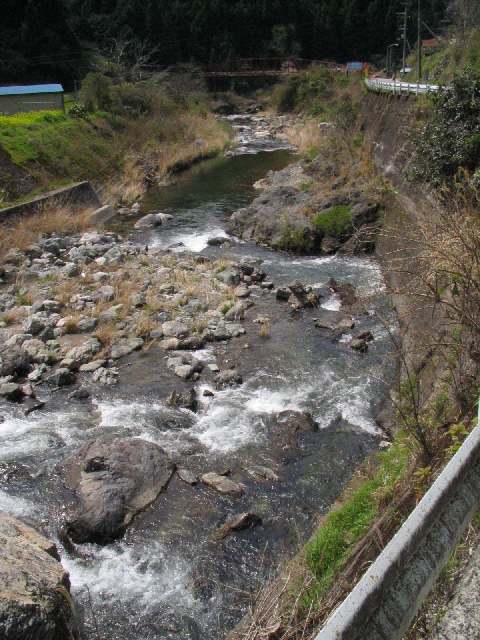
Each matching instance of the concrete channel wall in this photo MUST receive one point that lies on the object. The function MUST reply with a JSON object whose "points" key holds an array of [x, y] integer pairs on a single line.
{"points": [[387, 598], [78, 194]]}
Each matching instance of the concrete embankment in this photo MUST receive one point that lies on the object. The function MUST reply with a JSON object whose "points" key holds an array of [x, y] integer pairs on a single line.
{"points": [[79, 194]]}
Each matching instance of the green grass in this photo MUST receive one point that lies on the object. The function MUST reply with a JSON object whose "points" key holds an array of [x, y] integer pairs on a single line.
{"points": [[343, 528], [442, 64], [336, 222], [294, 239], [62, 146]]}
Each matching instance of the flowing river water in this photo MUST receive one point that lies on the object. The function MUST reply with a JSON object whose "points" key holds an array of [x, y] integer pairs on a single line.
{"points": [[169, 577]]}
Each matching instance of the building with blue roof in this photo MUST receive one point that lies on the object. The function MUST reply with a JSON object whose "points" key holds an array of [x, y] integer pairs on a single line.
{"points": [[34, 97]]}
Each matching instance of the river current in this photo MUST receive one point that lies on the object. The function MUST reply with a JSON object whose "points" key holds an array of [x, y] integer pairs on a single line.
{"points": [[169, 577]]}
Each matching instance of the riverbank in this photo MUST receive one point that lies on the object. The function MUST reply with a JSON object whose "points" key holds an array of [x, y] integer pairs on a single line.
{"points": [[169, 331], [150, 133], [429, 416]]}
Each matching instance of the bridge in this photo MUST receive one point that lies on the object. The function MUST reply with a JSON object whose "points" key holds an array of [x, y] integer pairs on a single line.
{"points": [[266, 67]]}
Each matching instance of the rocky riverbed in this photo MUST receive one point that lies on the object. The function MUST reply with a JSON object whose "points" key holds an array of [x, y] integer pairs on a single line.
{"points": [[178, 406]]}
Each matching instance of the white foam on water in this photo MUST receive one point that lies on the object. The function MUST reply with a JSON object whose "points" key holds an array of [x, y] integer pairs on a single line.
{"points": [[143, 420], [14, 505], [350, 398], [235, 417], [194, 242], [121, 573], [127, 413], [333, 303], [22, 436]]}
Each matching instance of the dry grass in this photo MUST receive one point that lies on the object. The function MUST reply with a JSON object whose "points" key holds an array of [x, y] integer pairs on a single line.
{"points": [[22, 232], [265, 330], [307, 135], [13, 316], [163, 145], [144, 325], [106, 334]]}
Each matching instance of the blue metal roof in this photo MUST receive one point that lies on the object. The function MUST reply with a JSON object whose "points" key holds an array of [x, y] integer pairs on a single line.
{"points": [[32, 88]]}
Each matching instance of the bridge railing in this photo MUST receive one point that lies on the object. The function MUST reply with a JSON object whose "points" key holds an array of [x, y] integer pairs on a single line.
{"points": [[282, 65], [396, 87]]}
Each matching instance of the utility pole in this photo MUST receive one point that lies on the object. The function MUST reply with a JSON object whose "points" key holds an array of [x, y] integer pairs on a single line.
{"points": [[419, 53], [405, 22]]}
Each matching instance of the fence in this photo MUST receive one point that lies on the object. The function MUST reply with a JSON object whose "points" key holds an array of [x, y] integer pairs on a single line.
{"points": [[395, 87]]}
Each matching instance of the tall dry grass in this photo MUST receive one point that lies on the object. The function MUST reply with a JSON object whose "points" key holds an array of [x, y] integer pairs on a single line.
{"points": [[160, 145], [24, 231]]}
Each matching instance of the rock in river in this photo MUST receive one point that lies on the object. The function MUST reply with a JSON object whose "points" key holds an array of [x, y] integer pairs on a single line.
{"points": [[335, 321], [114, 479], [239, 522], [222, 484], [34, 593]]}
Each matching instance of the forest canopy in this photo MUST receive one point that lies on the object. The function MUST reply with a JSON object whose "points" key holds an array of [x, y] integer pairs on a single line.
{"points": [[55, 39]]}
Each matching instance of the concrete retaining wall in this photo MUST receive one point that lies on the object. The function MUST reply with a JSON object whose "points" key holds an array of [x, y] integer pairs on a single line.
{"points": [[79, 194], [387, 598]]}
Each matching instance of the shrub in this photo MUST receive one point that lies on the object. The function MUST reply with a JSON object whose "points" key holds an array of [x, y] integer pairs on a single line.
{"points": [[96, 92], [78, 111], [336, 221], [295, 239], [450, 139]]}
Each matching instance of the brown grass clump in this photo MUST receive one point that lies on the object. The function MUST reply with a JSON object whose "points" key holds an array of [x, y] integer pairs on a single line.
{"points": [[265, 330], [144, 325], [24, 231], [106, 333], [13, 316]]}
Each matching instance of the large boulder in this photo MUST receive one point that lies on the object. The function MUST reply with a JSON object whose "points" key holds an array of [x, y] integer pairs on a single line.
{"points": [[114, 479], [35, 603], [14, 361], [152, 220], [125, 346]]}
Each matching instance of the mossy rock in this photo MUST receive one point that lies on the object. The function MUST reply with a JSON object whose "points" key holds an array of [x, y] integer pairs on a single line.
{"points": [[335, 222]]}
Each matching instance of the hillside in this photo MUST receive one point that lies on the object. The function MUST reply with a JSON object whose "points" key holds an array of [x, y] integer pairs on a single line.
{"points": [[59, 40]]}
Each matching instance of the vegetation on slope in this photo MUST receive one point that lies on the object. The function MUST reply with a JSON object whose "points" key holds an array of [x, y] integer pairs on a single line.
{"points": [[126, 134], [56, 38]]}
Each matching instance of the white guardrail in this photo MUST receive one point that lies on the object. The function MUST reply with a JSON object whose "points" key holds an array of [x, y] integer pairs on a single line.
{"points": [[397, 88], [386, 599]]}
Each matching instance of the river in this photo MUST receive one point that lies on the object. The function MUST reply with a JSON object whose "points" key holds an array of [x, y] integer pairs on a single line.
{"points": [[169, 577]]}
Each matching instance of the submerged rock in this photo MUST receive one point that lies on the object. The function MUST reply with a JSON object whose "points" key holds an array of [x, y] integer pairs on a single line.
{"points": [[228, 378], [222, 484], [335, 321], [293, 422], [239, 522], [302, 297], [35, 602], [345, 291], [359, 345], [114, 479], [262, 473]]}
